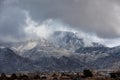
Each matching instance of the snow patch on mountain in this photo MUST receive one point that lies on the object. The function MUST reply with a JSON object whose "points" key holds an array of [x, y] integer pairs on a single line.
{"points": [[24, 46]]}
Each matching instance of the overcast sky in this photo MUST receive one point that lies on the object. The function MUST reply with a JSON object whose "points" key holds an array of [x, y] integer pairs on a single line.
{"points": [[101, 17]]}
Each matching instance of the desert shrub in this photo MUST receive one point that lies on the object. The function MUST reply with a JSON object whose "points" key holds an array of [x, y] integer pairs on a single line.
{"points": [[23, 77], [13, 76], [87, 73], [112, 75]]}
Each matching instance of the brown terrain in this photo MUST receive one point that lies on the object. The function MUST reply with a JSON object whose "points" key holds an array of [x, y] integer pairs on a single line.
{"points": [[85, 75]]}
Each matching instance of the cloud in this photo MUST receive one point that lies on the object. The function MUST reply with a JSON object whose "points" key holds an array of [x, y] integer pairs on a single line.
{"points": [[11, 20], [101, 17], [43, 30], [34, 30], [98, 16]]}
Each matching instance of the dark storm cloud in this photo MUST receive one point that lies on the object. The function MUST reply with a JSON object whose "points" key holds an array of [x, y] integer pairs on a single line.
{"points": [[93, 16], [11, 24], [12, 19], [97, 16]]}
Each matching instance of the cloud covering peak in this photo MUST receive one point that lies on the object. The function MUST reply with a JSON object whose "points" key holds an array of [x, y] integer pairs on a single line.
{"points": [[98, 16], [20, 19]]}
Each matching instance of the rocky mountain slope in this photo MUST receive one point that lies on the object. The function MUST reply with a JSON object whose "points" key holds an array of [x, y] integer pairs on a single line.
{"points": [[62, 51], [11, 62]]}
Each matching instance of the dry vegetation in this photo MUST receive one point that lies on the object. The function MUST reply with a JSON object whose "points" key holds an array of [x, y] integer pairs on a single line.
{"points": [[101, 78], [85, 75]]}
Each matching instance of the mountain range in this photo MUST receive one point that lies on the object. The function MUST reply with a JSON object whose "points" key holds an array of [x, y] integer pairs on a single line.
{"points": [[62, 51]]}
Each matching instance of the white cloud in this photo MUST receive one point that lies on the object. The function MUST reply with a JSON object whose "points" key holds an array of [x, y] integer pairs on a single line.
{"points": [[43, 29], [35, 30]]}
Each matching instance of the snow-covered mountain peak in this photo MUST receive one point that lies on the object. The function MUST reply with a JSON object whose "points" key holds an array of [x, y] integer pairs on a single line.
{"points": [[62, 49], [66, 39], [72, 40]]}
